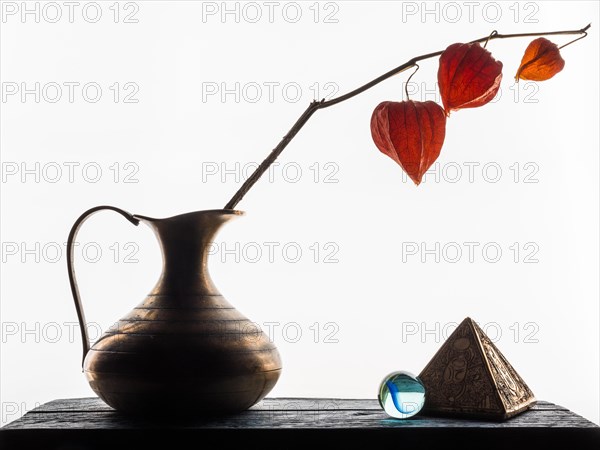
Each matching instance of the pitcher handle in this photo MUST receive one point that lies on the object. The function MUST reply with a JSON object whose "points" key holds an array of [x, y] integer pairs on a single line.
{"points": [[71, 269]]}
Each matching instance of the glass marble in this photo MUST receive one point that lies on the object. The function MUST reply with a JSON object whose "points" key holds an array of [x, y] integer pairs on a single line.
{"points": [[401, 395]]}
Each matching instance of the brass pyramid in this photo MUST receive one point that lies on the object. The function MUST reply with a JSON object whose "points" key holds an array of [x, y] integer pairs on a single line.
{"points": [[468, 376]]}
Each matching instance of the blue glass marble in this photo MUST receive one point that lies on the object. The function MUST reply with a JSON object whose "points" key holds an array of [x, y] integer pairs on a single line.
{"points": [[401, 395]]}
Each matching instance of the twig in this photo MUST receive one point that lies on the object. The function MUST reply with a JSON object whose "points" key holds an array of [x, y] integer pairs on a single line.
{"points": [[315, 105]]}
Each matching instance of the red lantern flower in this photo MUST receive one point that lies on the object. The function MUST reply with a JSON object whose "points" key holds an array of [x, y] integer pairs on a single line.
{"points": [[411, 133], [541, 61], [468, 76]]}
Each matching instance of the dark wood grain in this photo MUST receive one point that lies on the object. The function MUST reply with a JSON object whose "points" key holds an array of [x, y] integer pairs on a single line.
{"points": [[96, 405], [88, 423]]}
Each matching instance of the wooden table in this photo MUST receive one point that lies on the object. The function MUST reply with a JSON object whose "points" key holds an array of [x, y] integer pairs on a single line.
{"points": [[274, 423]]}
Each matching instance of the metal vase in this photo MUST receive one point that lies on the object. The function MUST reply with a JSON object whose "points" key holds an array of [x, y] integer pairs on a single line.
{"points": [[184, 349]]}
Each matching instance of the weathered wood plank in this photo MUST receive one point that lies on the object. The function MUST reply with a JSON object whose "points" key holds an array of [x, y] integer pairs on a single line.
{"points": [[264, 419], [272, 404], [89, 424]]}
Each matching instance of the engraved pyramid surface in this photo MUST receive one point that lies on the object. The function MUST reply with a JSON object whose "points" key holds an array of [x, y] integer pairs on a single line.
{"points": [[470, 376]]}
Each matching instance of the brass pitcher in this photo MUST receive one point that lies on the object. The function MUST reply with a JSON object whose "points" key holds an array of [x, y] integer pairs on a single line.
{"points": [[184, 349]]}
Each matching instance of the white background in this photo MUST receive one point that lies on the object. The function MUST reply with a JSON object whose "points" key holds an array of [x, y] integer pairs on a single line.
{"points": [[378, 308]]}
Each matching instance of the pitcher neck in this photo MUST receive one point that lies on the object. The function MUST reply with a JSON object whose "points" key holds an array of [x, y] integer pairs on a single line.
{"points": [[185, 242]]}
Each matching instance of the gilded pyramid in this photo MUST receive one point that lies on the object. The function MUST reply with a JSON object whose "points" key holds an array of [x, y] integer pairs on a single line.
{"points": [[469, 376]]}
